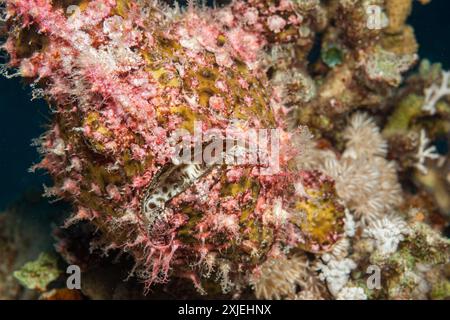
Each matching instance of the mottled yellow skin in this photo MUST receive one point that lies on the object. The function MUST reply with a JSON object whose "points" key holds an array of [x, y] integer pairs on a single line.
{"points": [[319, 217]]}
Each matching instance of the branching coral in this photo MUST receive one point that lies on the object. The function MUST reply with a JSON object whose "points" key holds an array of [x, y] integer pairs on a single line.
{"points": [[425, 152], [434, 93]]}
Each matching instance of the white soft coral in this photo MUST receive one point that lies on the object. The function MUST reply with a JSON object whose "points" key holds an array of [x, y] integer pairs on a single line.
{"points": [[425, 152], [387, 233], [335, 272], [435, 93], [351, 293]]}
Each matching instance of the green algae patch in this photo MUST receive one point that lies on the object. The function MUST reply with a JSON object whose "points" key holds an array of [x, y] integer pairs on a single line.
{"points": [[38, 274]]}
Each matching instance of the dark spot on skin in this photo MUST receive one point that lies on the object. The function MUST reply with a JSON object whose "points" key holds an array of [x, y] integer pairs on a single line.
{"points": [[270, 72], [164, 42], [204, 96], [208, 74]]}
